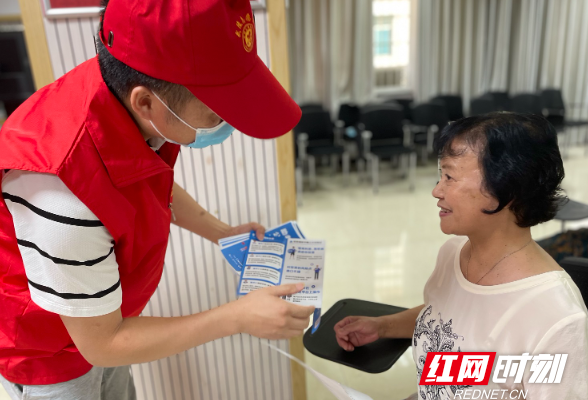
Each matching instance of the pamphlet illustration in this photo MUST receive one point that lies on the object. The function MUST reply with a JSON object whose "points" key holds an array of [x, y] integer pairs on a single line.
{"points": [[284, 256]]}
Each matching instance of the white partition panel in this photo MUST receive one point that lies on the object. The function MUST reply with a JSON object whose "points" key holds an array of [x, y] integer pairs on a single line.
{"points": [[237, 182]]}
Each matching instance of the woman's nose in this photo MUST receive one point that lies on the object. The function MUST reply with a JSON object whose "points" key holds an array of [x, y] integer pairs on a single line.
{"points": [[437, 192]]}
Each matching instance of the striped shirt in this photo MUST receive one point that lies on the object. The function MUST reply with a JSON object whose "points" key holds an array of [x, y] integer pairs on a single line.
{"points": [[67, 252]]}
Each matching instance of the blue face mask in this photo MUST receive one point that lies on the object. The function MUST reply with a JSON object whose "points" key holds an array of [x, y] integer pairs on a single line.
{"points": [[204, 136]]}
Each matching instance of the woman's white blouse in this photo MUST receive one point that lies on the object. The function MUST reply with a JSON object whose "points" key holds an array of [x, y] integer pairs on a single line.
{"points": [[542, 314]]}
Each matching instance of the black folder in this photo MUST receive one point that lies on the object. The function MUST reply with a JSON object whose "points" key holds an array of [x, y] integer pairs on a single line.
{"points": [[375, 357]]}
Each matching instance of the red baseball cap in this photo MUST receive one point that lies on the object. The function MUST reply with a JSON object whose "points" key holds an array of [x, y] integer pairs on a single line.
{"points": [[208, 46]]}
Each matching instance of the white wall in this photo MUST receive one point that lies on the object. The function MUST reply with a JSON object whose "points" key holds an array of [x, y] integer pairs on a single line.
{"points": [[9, 7], [237, 182]]}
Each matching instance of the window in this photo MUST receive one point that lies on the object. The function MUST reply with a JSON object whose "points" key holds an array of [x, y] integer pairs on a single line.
{"points": [[391, 40], [383, 37]]}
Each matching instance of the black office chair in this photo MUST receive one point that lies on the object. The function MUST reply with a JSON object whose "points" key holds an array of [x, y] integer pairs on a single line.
{"points": [[526, 103], [577, 268], [315, 137], [348, 120], [406, 105], [428, 119], [349, 131], [385, 136], [307, 107], [454, 105], [349, 114], [375, 357], [482, 105], [391, 105], [502, 101], [16, 80], [371, 106], [554, 109], [570, 210]]}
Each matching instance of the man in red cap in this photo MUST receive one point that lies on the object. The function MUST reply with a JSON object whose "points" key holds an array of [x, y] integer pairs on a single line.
{"points": [[87, 182]]}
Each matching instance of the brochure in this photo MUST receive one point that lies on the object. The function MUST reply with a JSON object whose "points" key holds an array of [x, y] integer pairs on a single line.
{"points": [[234, 248], [280, 260]]}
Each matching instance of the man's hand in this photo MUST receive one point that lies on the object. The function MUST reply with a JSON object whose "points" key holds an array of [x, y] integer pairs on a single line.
{"points": [[246, 228], [352, 332], [262, 313]]}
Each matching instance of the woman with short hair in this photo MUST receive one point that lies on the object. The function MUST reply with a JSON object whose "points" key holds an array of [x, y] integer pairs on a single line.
{"points": [[493, 288]]}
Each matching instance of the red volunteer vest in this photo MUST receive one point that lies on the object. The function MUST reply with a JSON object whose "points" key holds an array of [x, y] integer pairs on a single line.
{"points": [[75, 128]]}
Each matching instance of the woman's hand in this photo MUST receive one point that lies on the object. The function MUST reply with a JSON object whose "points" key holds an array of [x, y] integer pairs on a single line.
{"points": [[262, 313], [352, 332]]}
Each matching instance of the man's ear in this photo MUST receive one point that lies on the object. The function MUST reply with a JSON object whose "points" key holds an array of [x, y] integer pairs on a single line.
{"points": [[141, 102]]}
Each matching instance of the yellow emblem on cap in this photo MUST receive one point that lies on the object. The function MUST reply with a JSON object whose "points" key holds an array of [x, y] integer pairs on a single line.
{"points": [[246, 31]]}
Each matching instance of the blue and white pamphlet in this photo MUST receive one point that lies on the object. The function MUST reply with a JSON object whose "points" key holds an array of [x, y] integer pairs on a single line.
{"points": [[235, 247], [284, 256]]}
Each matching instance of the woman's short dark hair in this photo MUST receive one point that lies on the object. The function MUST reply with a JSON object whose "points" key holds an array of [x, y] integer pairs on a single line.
{"points": [[520, 159], [122, 79]]}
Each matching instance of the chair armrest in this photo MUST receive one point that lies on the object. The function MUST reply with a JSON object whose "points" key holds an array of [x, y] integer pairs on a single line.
{"points": [[431, 137], [553, 111], [339, 132], [366, 137], [302, 143], [414, 128], [408, 136], [577, 261]]}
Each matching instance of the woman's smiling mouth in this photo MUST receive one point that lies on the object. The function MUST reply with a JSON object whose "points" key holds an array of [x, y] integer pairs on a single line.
{"points": [[444, 211]]}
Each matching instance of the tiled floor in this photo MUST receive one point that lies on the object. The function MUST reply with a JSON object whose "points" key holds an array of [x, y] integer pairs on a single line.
{"points": [[382, 248], [3, 394]]}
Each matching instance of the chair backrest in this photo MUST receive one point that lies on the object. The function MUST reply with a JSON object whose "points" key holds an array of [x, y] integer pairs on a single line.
{"points": [[577, 268], [404, 102], [553, 107], [311, 107], [406, 105], [380, 106], [501, 100], [482, 105], [552, 99], [383, 122], [316, 124], [526, 103], [429, 114], [454, 105], [350, 114]]}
